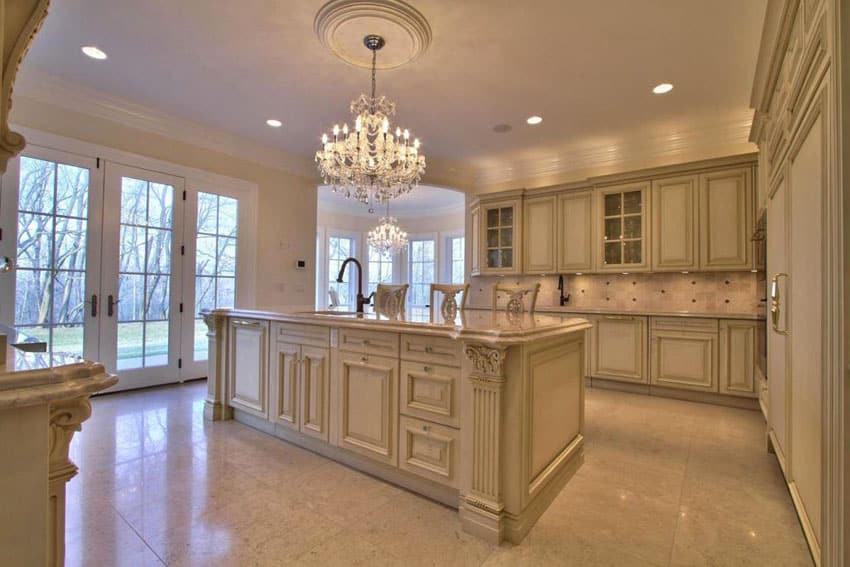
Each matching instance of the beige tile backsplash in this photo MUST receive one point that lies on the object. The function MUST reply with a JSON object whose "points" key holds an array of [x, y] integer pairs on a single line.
{"points": [[714, 292]]}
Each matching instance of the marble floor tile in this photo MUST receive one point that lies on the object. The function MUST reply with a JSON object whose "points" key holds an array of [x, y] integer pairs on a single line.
{"points": [[664, 482]]}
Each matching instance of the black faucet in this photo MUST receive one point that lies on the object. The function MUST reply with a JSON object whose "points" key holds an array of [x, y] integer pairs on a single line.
{"points": [[564, 299], [361, 301]]}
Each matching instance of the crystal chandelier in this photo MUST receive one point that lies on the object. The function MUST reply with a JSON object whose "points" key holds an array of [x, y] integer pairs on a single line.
{"points": [[388, 237], [369, 163]]}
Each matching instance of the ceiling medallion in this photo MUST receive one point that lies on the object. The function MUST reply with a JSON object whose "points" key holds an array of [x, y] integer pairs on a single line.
{"points": [[369, 163], [340, 25]]}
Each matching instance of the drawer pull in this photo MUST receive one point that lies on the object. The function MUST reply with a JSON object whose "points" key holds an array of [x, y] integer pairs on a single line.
{"points": [[364, 359], [427, 368], [426, 428], [429, 349]]}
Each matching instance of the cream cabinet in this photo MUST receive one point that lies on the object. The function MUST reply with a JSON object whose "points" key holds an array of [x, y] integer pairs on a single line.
{"points": [[474, 250], [247, 365], [738, 358], [623, 213], [368, 404], [539, 222], [683, 353], [429, 450], [675, 217], [726, 219], [575, 236], [284, 367], [619, 344], [430, 392], [501, 236]]}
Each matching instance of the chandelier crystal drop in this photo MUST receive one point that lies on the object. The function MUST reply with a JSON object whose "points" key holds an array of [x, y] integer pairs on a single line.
{"points": [[370, 162], [387, 237]]}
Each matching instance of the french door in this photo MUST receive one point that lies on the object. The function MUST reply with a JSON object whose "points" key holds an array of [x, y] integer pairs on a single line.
{"points": [[141, 291], [113, 263]]}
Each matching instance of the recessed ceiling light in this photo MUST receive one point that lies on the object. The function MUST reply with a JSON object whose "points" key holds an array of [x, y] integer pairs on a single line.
{"points": [[274, 123], [534, 120], [94, 52], [662, 88]]}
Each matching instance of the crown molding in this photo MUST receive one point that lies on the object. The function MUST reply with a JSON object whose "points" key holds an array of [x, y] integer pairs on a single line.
{"points": [[45, 88]]}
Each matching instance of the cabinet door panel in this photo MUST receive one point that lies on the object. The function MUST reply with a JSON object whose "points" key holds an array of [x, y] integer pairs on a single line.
{"points": [[247, 368], [737, 358], [575, 232], [539, 236], [623, 212], [501, 237], [684, 360], [284, 384], [314, 392], [726, 226], [429, 450], [430, 392], [368, 398], [620, 344], [674, 223], [475, 241]]}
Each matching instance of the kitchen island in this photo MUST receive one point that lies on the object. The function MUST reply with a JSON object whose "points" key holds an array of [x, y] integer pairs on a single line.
{"points": [[484, 413]]}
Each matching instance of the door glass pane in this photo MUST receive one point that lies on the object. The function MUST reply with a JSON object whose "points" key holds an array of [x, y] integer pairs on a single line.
{"points": [[613, 252], [493, 237], [632, 227], [507, 237], [52, 229], [612, 229], [144, 273], [632, 252], [421, 271], [631, 202], [216, 246], [492, 217], [612, 204], [506, 216]]}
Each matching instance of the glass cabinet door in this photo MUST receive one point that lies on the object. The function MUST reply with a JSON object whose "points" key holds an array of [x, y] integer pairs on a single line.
{"points": [[623, 227], [499, 223]]}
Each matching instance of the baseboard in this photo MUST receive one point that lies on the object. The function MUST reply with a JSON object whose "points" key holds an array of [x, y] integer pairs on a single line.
{"points": [[675, 393], [806, 524], [424, 487]]}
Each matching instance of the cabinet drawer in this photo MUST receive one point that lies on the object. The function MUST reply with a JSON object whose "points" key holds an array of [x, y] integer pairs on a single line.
{"points": [[430, 392], [430, 350], [370, 342], [686, 360], [683, 324], [429, 450], [297, 333]]}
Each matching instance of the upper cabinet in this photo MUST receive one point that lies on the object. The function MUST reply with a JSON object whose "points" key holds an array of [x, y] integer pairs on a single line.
{"points": [[475, 240], [575, 236], [675, 217], [501, 235], [539, 222], [697, 217], [726, 219], [623, 213]]}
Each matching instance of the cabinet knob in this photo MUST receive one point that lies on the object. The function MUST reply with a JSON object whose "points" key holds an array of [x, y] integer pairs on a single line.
{"points": [[426, 428], [426, 368], [364, 359], [429, 349]]}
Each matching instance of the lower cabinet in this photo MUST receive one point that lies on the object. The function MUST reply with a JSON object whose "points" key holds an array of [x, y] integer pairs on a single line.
{"points": [[300, 388], [683, 354], [738, 358], [368, 402], [247, 365], [429, 450], [619, 348]]}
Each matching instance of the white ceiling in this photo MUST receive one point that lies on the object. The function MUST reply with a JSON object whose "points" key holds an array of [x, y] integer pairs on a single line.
{"points": [[586, 67], [425, 201]]}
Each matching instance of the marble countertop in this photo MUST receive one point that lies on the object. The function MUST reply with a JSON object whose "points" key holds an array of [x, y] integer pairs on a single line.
{"points": [[649, 313], [30, 378], [471, 324]]}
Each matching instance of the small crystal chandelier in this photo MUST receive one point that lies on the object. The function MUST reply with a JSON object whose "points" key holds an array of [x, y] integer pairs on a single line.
{"points": [[369, 163], [388, 237]]}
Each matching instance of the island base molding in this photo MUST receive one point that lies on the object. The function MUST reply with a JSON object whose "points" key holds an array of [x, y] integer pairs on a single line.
{"points": [[674, 393]]}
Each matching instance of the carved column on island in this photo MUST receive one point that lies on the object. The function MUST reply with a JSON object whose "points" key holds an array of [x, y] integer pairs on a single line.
{"points": [[481, 504], [215, 407]]}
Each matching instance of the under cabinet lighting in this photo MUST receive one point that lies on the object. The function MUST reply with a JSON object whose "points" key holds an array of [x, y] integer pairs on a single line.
{"points": [[662, 88], [94, 52]]}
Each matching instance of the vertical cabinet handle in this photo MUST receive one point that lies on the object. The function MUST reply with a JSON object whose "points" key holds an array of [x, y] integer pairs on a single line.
{"points": [[776, 304], [94, 305]]}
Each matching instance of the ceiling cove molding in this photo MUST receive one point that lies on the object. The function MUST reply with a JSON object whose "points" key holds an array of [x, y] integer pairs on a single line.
{"points": [[56, 91], [431, 212]]}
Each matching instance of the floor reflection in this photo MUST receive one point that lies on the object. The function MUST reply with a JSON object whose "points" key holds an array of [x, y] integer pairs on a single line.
{"points": [[664, 483]]}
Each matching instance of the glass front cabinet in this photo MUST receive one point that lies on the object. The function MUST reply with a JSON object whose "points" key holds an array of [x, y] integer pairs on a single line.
{"points": [[501, 233], [623, 216]]}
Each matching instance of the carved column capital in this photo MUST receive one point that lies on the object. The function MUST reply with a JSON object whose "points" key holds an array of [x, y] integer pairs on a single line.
{"points": [[487, 362], [66, 418], [214, 321]]}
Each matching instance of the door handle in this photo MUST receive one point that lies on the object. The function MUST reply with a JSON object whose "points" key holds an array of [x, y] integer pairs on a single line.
{"points": [[111, 302], [776, 304], [94, 305]]}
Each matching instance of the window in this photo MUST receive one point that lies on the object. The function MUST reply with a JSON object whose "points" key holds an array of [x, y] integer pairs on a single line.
{"points": [[215, 260], [454, 259], [421, 270], [340, 248], [380, 268], [50, 269]]}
